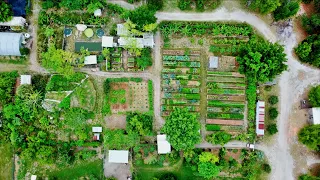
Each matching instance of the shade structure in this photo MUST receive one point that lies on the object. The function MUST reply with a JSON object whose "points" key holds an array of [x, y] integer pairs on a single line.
{"points": [[118, 156], [15, 21], [25, 79], [88, 60], [164, 146], [10, 44]]}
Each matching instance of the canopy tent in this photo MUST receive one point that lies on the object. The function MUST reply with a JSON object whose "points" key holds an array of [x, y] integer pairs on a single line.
{"points": [[97, 129], [88, 60], [15, 21], [25, 79], [118, 156], [107, 41], [10, 44], [164, 146]]}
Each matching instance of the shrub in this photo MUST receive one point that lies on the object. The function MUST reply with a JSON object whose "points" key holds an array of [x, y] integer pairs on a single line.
{"points": [[268, 88], [168, 176], [24, 51], [220, 137], [272, 129], [273, 113], [5, 12], [287, 10], [273, 100], [266, 168], [213, 127], [155, 4], [314, 96]]}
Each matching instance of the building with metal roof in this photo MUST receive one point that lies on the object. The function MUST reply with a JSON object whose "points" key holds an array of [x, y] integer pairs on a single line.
{"points": [[25, 79], [315, 115], [213, 62], [89, 60], [97, 129], [107, 41], [164, 146], [118, 156], [10, 44], [260, 114]]}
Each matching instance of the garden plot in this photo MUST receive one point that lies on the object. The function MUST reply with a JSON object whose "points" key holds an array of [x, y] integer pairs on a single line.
{"points": [[225, 99], [180, 81], [128, 95]]}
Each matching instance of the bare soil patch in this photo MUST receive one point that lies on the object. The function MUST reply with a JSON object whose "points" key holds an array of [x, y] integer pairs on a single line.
{"points": [[116, 121]]}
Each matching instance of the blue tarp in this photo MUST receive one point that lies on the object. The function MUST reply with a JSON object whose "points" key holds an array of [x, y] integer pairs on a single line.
{"points": [[18, 7]]}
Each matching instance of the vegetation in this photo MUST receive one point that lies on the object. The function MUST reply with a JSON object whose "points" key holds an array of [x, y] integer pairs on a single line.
{"points": [[263, 6], [5, 12], [308, 50], [7, 82], [220, 137], [141, 16], [213, 127], [155, 4], [261, 60], [273, 113], [182, 129], [273, 100], [309, 136], [272, 129], [139, 123], [207, 166], [311, 24], [286, 10], [145, 60], [314, 96], [119, 139], [201, 5]]}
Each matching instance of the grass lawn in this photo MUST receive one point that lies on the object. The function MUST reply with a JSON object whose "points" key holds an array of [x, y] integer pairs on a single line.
{"points": [[6, 161], [182, 172], [84, 169]]}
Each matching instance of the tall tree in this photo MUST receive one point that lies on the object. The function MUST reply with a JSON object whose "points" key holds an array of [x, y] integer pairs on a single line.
{"points": [[309, 50], [314, 96], [309, 136], [263, 6], [182, 129], [286, 10], [5, 12]]}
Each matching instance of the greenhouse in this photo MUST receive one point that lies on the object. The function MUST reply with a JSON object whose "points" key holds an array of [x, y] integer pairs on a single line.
{"points": [[10, 44]]}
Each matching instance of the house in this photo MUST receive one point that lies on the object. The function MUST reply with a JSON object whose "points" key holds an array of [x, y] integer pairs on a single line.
{"points": [[260, 114], [107, 41], [118, 156], [89, 60], [148, 40], [10, 43], [164, 146], [213, 62], [25, 79], [96, 131], [315, 115]]}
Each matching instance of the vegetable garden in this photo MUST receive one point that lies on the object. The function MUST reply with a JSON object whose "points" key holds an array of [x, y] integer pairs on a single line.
{"points": [[225, 101], [180, 81]]}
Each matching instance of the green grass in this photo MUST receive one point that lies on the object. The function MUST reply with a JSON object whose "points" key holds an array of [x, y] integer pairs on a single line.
{"points": [[6, 161], [86, 168]]}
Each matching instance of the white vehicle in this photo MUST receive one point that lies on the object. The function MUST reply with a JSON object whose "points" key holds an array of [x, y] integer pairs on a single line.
{"points": [[250, 146]]}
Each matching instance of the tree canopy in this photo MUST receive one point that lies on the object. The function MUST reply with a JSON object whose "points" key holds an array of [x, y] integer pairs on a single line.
{"points": [[7, 82], [261, 60], [207, 165], [314, 96], [220, 137], [309, 136], [309, 50], [286, 10], [263, 6], [5, 12], [141, 16], [182, 129], [139, 123]]}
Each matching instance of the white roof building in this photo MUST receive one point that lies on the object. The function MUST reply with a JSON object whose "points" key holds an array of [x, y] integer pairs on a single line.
{"points": [[260, 114], [118, 156], [97, 129], [213, 62], [33, 177], [122, 30], [164, 146], [148, 40], [130, 42], [15, 21], [107, 41], [316, 115], [10, 43], [88, 60], [25, 79]]}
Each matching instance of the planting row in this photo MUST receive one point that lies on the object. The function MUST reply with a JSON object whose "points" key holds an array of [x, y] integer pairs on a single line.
{"points": [[225, 116], [181, 96], [181, 90], [226, 49], [226, 97], [178, 58], [226, 91], [180, 102], [216, 103], [214, 85], [225, 79], [180, 77], [170, 108], [168, 82], [182, 71], [181, 64], [233, 41]]}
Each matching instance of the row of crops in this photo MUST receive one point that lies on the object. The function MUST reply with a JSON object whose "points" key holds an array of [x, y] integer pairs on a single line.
{"points": [[225, 100], [180, 83]]}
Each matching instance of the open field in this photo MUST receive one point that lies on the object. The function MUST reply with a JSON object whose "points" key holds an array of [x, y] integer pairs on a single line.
{"points": [[6, 162]]}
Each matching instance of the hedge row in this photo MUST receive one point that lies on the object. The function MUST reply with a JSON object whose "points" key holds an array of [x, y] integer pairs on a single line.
{"points": [[150, 93], [213, 127]]}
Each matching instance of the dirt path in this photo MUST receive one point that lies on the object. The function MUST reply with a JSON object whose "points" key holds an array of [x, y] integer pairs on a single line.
{"points": [[35, 66], [125, 4]]}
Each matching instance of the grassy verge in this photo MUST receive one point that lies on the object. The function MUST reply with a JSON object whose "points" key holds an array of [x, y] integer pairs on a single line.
{"points": [[6, 162]]}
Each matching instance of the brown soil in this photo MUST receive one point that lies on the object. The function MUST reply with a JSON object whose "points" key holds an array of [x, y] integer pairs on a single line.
{"points": [[226, 97], [116, 121], [117, 86], [308, 8], [225, 122]]}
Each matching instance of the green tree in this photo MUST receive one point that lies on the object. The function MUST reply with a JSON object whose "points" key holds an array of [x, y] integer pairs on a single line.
{"points": [[155, 4], [208, 170], [303, 50], [141, 16], [273, 113], [272, 129], [208, 157], [59, 60], [314, 96], [261, 60], [94, 6], [286, 10], [139, 123], [263, 6], [145, 60], [182, 129], [309, 136], [273, 100], [7, 82], [5, 12], [117, 139], [220, 137]]}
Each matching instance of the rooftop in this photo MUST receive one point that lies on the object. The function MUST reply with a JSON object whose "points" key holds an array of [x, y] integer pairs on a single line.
{"points": [[164, 146], [316, 115], [118, 156], [25, 79]]}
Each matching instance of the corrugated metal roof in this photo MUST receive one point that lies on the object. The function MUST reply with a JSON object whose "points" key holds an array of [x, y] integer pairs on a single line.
{"points": [[213, 62], [316, 115], [107, 41], [25, 79], [118, 156], [10, 44], [164, 146], [90, 60]]}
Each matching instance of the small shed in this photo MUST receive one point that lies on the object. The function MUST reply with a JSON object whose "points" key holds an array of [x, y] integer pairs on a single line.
{"points": [[213, 62], [118, 156], [25, 79], [97, 129], [107, 41], [15, 21], [164, 146], [89, 60], [33, 177], [96, 137], [260, 114], [122, 30], [10, 43], [315, 118]]}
